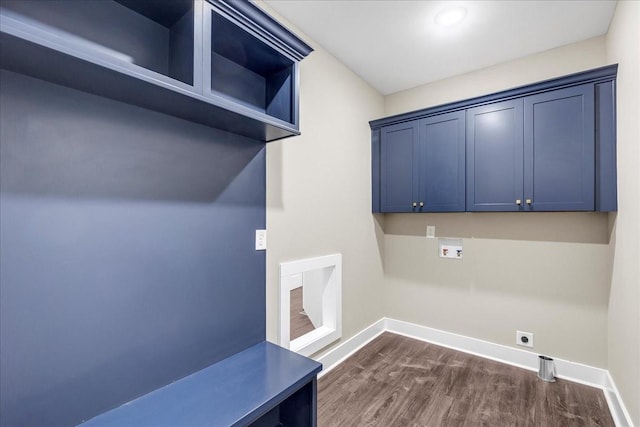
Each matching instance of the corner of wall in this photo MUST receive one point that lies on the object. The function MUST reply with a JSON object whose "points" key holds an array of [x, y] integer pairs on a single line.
{"points": [[319, 188], [623, 47]]}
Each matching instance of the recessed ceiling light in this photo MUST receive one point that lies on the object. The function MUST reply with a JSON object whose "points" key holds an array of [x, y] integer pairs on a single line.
{"points": [[451, 16]]}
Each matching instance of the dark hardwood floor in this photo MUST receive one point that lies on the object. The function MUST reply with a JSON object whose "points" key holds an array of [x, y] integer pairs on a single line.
{"points": [[299, 323], [399, 381]]}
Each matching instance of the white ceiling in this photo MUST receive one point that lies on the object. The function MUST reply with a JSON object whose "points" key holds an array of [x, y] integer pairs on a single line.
{"points": [[396, 45]]}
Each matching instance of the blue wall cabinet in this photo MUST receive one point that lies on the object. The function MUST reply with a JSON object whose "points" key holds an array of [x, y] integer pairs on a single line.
{"points": [[548, 146], [606, 170], [422, 165], [225, 64], [533, 153], [399, 167], [495, 157], [442, 163], [559, 150]]}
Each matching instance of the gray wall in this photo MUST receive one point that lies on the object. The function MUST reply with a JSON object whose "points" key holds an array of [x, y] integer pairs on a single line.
{"points": [[126, 252], [515, 266], [545, 273], [623, 47], [319, 188]]}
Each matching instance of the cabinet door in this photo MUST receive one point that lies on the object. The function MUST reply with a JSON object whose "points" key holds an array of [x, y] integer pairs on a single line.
{"points": [[559, 149], [495, 157], [442, 163], [399, 167]]}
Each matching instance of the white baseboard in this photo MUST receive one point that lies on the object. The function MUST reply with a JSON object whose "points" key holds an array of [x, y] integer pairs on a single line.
{"points": [[571, 371], [337, 355], [621, 416]]}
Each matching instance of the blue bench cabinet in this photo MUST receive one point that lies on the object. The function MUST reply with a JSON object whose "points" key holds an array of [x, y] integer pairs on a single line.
{"points": [[549, 146], [158, 55], [264, 385]]}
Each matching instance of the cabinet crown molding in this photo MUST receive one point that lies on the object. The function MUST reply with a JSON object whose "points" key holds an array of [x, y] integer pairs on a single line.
{"points": [[590, 76]]}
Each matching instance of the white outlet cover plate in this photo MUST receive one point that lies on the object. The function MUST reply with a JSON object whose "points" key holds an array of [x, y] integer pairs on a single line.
{"points": [[529, 335], [431, 231], [261, 240], [450, 248]]}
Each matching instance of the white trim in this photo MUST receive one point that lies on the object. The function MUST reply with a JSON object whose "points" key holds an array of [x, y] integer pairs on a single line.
{"points": [[621, 416], [314, 341], [343, 350], [331, 328], [572, 371]]}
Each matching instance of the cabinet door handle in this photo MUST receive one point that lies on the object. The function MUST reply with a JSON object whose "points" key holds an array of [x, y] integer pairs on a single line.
{"points": [[422, 204], [518, 202], [414, 204], [529, 201]]}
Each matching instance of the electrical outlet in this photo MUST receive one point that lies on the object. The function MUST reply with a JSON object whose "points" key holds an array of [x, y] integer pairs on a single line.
{"points": [[261, 240], [431, 231], [524, 339]]}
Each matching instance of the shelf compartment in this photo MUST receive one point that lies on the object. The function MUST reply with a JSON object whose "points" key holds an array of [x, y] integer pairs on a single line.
{"points": [[250, 72], [156, 36], [67, 42]]}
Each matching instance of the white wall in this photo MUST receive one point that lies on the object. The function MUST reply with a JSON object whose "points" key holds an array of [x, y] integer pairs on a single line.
{"points": [[623, 47], [319, 188], [534, 68]]}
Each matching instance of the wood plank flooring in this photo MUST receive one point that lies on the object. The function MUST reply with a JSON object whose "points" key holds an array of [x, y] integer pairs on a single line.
{"points": [[399, 381], [299, 323]]}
